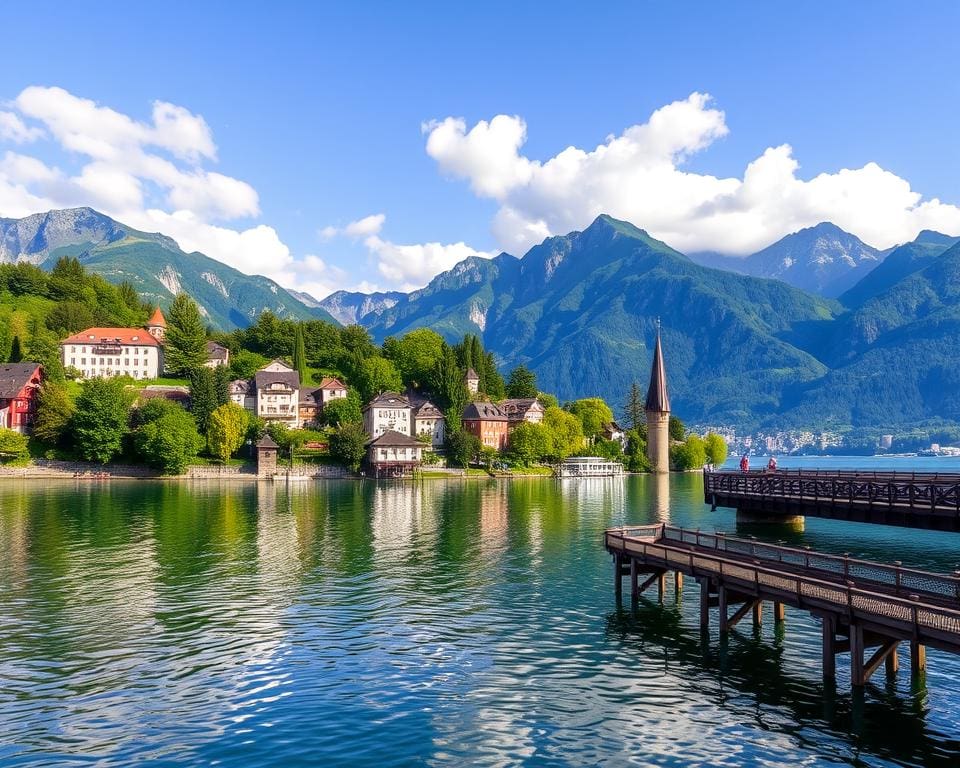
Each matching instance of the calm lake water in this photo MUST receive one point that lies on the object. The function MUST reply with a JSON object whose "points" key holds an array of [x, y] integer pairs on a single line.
{"points": [[440, 623]]}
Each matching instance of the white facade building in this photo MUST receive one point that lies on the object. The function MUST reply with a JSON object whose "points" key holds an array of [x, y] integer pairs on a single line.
{"points": [[387, 411], [109, 352]]}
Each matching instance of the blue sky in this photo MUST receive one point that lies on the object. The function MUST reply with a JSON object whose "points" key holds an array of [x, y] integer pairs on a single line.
{"points": [[324, 115]]}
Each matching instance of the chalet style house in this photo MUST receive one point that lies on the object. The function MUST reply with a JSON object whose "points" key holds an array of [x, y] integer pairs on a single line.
{"points": [[388, 411], [19, 387], [313, 401], [427, 419], [393, 454], [488, 422], [522, 409], [244, 393], [277, 388]]}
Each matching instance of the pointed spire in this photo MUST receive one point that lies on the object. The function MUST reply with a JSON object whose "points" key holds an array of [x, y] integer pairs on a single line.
{"points": [[657, 398]]}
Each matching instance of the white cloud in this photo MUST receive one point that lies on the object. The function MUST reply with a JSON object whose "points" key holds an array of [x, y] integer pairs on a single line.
{"points": [[12, 128], [368, 225], [409, 267], [639, 176]]}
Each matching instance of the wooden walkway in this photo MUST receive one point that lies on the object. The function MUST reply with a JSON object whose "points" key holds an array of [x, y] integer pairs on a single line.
{"points": [[862, 605], [915, 500]]}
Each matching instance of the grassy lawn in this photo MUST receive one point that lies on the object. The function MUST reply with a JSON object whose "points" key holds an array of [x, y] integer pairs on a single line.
{"points": [[206, 461]]}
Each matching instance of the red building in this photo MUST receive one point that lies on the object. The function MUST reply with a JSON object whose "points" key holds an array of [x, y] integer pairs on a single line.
{"points": [[488, 422], [19, 386]]}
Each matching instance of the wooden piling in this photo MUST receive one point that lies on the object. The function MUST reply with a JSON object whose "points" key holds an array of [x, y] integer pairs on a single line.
{"points": [[918, 658], [858, 676], [722, 596], [829, 650], [634, 579], [758, 613], [704, 603], [779, 613]]}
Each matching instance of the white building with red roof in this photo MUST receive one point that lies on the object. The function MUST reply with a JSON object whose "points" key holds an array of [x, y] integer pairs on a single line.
{"points": [[108, 352]]}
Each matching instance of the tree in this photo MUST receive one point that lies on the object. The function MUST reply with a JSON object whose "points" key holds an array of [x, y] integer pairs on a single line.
{"points": [[691, 454], [221, 384], [416, 355], [566, 433], [170, 442], [14, 447], [608, 449], [376, 375], [244, 363], [300, 355], [636, 454], [348, 444], [529, 442], [69, 317], [16, 351], [185, 342], [226, 430], [716, 448], [54, 411], [594, 414], [522, 382], [99, 421], [203, 396], [462, 447], [547, 400], [344, 410], [633, 410], [450, 389], [676, 428]]}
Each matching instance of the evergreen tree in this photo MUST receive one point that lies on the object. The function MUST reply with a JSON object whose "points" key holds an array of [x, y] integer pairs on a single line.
{"points": [[633, 410], [676, 428], [221, 384], [450, 389], [203, 397], [300, 355], [185, 347], [491, 380], [16, 352], [522, 382]]}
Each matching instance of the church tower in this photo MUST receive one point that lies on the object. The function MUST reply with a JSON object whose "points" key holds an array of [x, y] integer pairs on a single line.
{"points": [[658, 413], [157, 325]]}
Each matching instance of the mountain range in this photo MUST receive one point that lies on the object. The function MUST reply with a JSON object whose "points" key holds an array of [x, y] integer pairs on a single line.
{"points": [[153, 263], [581, 309], [817, 330]]}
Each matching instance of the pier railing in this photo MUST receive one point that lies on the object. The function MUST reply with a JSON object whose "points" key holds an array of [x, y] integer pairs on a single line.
{"points": [[907, 492]]}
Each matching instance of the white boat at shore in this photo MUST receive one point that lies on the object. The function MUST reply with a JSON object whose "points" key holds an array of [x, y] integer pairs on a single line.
{"points": [[589, 466]]}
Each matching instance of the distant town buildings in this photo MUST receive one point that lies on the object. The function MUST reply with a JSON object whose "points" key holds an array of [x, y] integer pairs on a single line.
{"points": [[19, 387]]}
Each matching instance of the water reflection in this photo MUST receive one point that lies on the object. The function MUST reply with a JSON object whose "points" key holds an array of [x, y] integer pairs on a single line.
{"points": [[408, 623]]}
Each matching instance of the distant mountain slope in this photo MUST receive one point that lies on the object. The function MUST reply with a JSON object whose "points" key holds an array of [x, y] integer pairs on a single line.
{"points": [[581, 310], [351, 307], [153, 263], [899, 263], [823, 259]]}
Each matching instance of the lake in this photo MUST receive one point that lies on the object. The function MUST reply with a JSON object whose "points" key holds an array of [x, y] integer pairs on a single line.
{"points": [[437, 623]]}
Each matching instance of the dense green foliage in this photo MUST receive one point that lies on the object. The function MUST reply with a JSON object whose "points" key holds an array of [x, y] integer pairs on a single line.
{"points": [[566, 433], [462, 447], [14, 447], [227, 430], [522, 382], [594, 414], [345, 410], [54, 412], [348, 443], [690, 454], [170, 441], [530, 442], [99, 422], [716, 449]]}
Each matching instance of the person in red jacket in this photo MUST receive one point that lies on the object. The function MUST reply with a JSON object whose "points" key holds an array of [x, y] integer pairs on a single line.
{"points": [[772, 464], [745, 463]]}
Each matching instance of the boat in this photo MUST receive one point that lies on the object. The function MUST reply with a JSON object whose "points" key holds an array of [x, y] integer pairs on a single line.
{"points": [[589, 466]]}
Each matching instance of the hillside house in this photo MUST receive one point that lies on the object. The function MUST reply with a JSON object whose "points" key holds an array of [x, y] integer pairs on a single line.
{"points": [[613, 431], [488, 422], [393, 454], [427, 419], [388, 411], [19, 387], [313, 401], [109, 352], [244, 394], [520, 409], [277, 388], [217, 355]]}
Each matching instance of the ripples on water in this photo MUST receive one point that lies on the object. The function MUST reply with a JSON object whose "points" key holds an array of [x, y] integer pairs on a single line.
{"points": [[397, 624]]}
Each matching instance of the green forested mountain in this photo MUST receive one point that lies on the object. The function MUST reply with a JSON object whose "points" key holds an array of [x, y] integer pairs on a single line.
{"points": [[153, 263], [580, 310]]}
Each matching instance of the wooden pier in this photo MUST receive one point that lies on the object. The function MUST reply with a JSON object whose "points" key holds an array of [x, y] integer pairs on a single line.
{"points": [[910, 499], [863, 606]]}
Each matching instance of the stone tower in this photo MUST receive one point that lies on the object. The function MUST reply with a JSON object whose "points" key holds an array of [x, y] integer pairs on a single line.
{"points": [[658, 413]]}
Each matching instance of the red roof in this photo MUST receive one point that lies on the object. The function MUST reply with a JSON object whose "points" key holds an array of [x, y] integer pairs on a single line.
{"points": [[330, 383], [136, 336], [157, 318]]}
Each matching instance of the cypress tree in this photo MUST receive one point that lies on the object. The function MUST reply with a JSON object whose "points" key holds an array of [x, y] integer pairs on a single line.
{"points": [[185, 347], [300, 355], [221, 384], [203, 397], [633, 410], [16, 353]]}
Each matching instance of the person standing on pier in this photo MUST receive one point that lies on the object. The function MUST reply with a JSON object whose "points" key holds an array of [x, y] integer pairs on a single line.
{"points": [[745, 463], [772, 464]]}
